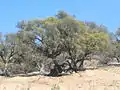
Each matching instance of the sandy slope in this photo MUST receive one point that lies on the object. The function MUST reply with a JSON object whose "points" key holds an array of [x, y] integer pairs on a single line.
{"points": [[100, 79]]}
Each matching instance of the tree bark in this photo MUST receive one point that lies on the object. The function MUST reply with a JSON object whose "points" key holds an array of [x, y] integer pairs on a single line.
{"points": [[6, 70]]}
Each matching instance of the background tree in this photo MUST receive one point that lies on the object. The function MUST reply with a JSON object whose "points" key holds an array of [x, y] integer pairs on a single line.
{"points": [[8, 51]]}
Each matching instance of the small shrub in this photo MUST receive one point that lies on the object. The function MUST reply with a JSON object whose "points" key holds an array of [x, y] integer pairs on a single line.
{"points": [[55, 87]]}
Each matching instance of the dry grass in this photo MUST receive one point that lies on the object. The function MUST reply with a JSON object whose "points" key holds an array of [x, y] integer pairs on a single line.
{"points": [[113, 69], [100, 79]]}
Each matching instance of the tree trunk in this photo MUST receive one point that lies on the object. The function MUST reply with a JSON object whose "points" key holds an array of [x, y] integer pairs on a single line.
{"points": [[74, 66], [6, 70], [81, 65], [56, 70], [118, 59]]}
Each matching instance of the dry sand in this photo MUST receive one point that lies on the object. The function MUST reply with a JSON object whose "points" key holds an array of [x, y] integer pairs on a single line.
{"points": [[99, 79]]}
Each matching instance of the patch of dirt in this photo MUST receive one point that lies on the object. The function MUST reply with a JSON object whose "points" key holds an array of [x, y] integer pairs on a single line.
{"points": [[99, 79]]}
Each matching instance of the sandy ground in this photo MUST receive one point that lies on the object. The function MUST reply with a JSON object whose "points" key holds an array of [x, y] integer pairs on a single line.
{"points": [[99, 79]]}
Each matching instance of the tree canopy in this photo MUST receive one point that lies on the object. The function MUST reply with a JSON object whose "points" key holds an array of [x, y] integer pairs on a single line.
{"points": [[56, 44]]}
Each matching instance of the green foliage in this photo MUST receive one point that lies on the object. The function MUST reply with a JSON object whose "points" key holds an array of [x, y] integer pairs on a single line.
{"points": [[94, 41]]}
